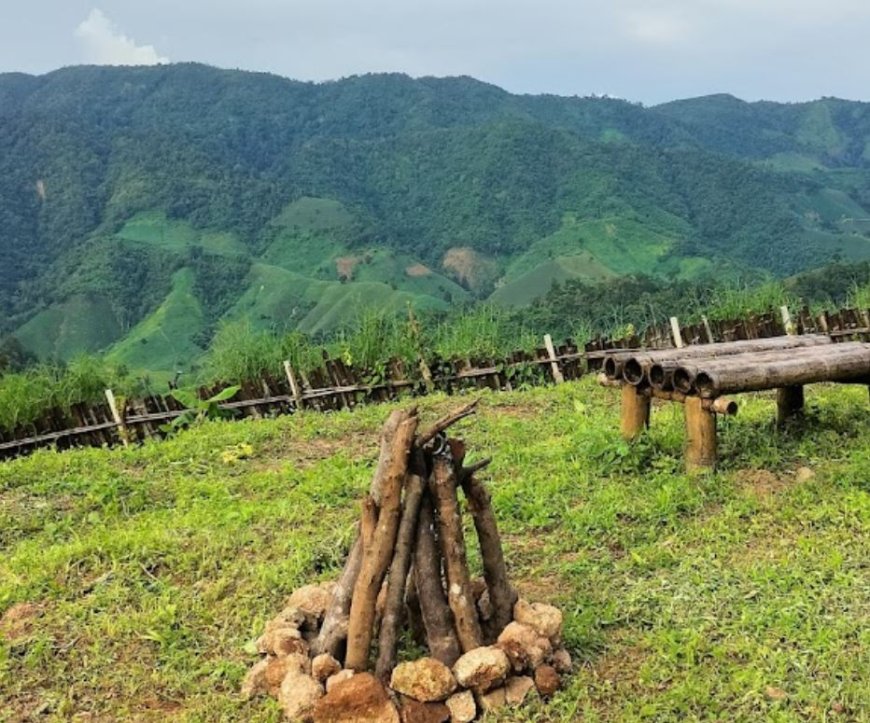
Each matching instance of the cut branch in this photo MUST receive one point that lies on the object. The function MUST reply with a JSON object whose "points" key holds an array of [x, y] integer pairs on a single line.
{"points": [[437, 616], [446, 422], [459, 594]]}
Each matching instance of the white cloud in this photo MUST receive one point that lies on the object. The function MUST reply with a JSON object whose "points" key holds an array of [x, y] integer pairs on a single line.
{"points": [[658, 27], [104, 43]]}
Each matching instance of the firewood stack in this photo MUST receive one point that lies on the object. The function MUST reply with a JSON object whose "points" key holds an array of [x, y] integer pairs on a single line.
{"points": [[408, 571]]}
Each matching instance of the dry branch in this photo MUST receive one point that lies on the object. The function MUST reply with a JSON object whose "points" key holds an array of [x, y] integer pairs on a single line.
{"points": [[377, 555], [446, 422], [437, 617], [501, 595], [459, 595], [392, 619]]}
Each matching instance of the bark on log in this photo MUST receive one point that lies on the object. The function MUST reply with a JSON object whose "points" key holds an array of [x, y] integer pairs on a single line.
{"points": [[412, 606], [377, 555], [719, 405], [842, 363], [392, 619], [459, 594], [501, 595], [388, 432], [437, 616], [333, 631]]}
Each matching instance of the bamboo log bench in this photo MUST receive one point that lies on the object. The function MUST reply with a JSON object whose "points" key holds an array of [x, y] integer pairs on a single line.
{"points": [[701, 377]]}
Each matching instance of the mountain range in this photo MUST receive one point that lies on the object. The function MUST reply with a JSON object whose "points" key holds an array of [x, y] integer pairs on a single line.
{"points": [[141, 206]]}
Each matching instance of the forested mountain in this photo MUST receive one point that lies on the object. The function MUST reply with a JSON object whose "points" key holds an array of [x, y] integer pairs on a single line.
{"points": [[139, 206]]}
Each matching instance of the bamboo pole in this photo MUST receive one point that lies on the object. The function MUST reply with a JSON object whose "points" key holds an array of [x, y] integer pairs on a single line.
{"points": [[838, 364], [635, 412], [701, 443], [554, 360]]}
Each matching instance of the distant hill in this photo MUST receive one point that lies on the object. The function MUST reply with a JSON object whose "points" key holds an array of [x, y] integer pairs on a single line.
{"points": [[140, 206]]}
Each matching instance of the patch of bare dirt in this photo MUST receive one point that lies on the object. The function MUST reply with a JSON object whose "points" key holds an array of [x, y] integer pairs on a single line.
{"points": [[18, 621], [418, 270], [469, 267], [345, 265], [761, 482]]}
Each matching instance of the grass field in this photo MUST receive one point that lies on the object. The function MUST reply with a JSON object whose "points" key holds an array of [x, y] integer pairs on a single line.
{"points": [[133, 581]]}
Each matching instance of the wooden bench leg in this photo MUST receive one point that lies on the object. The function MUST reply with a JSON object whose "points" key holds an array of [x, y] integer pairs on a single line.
{"points": [[701, 444], [635, 412], [789, 403]]}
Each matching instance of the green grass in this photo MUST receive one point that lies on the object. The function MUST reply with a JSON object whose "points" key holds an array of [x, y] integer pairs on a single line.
{"points": [[165, 341], [155, 229], [81, 324], [741, 595]]}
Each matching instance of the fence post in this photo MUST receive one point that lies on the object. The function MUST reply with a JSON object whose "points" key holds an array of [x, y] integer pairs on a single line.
{"points": [[294, 385], [554, 361], [787, 324], [675, 331], [118, 417], [708, 329]]}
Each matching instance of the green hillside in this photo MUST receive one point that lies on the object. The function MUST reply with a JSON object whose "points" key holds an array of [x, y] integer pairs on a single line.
{"points": [[298, 205]]}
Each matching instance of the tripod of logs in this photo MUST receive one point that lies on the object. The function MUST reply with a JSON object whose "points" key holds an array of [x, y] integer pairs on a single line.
{"points": [[700, 377], [331, 654]]}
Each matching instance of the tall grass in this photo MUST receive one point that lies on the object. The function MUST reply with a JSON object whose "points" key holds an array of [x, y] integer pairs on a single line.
{"points": [[859, 296], [484, 331], [734, 302]]}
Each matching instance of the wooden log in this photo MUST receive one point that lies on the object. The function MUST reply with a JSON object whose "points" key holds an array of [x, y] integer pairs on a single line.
{"points": [[685, 376], [333, 631], [412, 604], [635, 412], [401, 563], [720, 405], [701, 443], [636, 366], [385, 455], [459, 595], [844, 363], [377, 555], [501, 595], [789, 403], [437, 616]]}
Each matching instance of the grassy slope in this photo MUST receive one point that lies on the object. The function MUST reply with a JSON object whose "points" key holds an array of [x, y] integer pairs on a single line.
{"points": [[741, 595], [164, 341]]}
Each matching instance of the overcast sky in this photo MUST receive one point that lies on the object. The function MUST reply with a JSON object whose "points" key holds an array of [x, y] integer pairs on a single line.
{"points": [[645, 50]]}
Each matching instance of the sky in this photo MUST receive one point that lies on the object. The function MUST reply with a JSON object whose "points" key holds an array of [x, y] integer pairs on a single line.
{"points": [[643, 50]]}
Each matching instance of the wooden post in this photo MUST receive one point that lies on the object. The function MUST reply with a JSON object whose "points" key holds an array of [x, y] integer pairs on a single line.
{"points": [[700, 435], [708, 330], [789, 403], [635, 412], [675, 332], [118, 417], [295, 389], [554, 361], [787, 324]]}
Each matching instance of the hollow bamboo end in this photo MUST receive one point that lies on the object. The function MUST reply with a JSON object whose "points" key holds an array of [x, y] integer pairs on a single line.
{"points": [[683, 380], [611, 368], [632, 372]]}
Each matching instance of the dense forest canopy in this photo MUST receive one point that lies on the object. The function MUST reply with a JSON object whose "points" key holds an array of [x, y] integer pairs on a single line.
{"points": [[140, 206]]}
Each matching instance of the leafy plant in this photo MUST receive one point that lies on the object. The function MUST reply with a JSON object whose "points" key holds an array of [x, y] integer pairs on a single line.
{"points": [[199, 410]]}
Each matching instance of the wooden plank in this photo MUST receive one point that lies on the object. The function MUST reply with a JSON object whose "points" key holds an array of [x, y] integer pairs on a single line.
{"points": [[554, 360], [675, 332], [295, 389]]}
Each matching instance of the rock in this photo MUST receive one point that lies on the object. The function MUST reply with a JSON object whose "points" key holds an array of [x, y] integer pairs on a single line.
{"points": [[334, 680], [277, 669], [323, 666], [290, 616], [413, 711], [493, 700], [312, 601], [524, 647], [298, 695], [547, 681], [462, 707], [280, 641], [482, 668], [516, 689], [544, 619], [804, 474], [561, 661], [425, 680], [360, 698], [255, 681]]}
